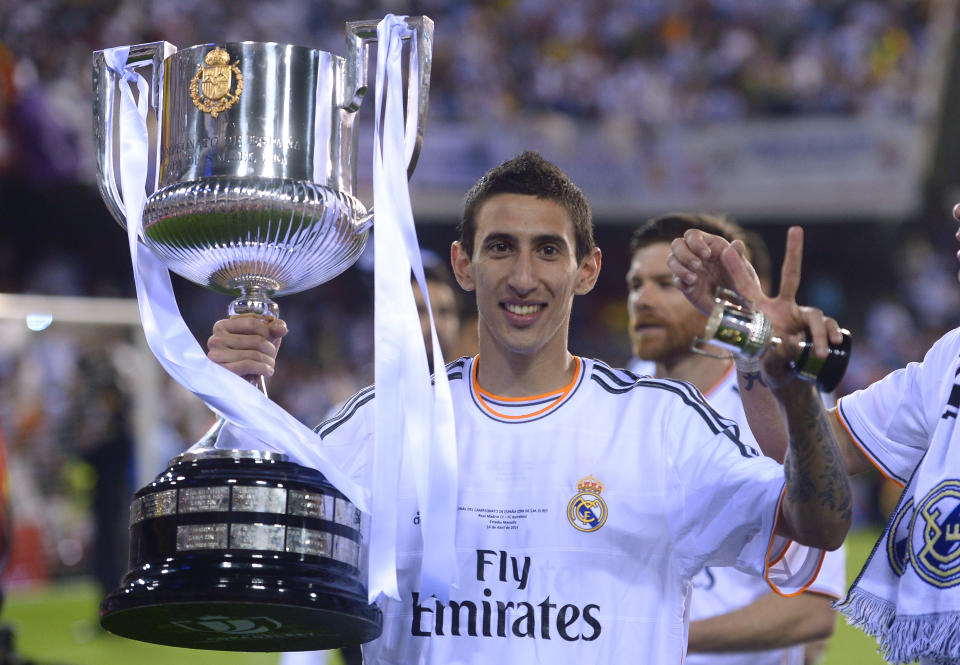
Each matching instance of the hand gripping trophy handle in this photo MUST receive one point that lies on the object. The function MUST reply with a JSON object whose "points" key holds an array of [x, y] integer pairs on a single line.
{"points": [[736, 325]]}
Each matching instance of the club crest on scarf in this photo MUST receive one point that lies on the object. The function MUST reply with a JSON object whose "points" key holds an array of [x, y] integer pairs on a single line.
{"points": [[587, 511], [898, 538], [935, 536]]}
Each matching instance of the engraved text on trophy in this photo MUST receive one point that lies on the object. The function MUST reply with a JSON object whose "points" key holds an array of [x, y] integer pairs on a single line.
{"points": [[233, 149]]}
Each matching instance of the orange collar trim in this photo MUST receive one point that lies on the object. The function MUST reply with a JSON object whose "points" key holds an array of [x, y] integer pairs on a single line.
{"points": [[554, 397]]}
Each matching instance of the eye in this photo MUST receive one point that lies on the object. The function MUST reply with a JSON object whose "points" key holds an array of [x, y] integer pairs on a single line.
{"points": [[498, 246], [667, 284]]}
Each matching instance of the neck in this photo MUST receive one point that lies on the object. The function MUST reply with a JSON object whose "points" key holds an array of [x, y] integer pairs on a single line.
{"points": [[511, 374], [702, 371]]}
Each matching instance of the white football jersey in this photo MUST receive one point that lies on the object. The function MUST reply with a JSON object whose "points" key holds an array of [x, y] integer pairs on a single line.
{"points": [[718, 591], [583, 516], [893, 420]]}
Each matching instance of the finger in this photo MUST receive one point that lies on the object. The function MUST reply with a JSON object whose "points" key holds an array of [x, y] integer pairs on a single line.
{"points": [[956, 212], [684, 256], [696, 241], [686, 275], [234, 342], [715, 244], [816, 324], [244, 325], [742, 275], [740, 247], [833, 331], [278, 330], [243, 363], [790, 272]]}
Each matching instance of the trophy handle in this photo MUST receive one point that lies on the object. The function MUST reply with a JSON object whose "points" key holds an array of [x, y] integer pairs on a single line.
{"points": [[359, 36], [105, 86]]}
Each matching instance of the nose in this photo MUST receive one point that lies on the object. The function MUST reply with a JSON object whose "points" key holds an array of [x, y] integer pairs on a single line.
{"points": [[523, 278], [640, 298]]}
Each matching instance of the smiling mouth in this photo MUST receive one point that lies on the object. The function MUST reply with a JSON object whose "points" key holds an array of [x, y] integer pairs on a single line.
{"points": [[522, 310]]}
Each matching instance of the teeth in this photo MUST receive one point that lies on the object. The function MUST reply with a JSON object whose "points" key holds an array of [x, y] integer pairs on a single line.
{"points": [[522, 310]]}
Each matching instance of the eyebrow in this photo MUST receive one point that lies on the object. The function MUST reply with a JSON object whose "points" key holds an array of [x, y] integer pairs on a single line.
{"points": [[631, 276], [541, 239]]}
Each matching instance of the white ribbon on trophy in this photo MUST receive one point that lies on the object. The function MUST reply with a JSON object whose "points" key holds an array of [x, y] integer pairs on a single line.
{"points": [[406, 404], [405, 401]]}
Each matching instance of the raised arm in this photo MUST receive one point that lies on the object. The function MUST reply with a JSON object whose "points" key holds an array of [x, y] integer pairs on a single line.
{"points": [[698, 270], [817, 507]]}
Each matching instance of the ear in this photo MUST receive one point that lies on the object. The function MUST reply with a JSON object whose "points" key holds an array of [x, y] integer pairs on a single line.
{"points": [[588, 272], [460, 261]]}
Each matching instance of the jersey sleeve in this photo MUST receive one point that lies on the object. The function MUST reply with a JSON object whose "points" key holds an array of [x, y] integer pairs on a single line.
{"points": [[728, 501], [832, 579], [892, 420], [347, 437]]}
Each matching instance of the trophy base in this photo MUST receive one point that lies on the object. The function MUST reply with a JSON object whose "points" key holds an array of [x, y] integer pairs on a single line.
{"points": [[279, 621], [242, 551]]}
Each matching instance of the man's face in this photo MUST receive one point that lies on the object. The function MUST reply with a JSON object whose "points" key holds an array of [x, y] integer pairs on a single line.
{"points": [[525, 272], [663, 323], [445, 315]]}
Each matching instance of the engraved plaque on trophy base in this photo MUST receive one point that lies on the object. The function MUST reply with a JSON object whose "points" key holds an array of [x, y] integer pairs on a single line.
{"points": [[242, 553]]}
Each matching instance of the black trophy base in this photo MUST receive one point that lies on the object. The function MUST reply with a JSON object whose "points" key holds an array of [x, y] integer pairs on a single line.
{"points": [[237, 625], [242, 555]]}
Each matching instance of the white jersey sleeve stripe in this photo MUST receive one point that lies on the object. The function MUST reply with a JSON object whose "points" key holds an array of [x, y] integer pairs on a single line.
{"points": [[346, 412], [884, 470], [690, 396]]}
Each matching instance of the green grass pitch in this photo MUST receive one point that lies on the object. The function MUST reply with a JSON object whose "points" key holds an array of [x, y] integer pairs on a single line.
{"points": [[57, 625]]}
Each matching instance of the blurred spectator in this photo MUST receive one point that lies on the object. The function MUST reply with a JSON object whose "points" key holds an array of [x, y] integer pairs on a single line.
{"points": [[98, 429]]}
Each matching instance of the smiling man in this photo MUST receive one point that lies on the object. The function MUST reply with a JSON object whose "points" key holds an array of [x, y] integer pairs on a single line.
{"points": [[588, 498]]}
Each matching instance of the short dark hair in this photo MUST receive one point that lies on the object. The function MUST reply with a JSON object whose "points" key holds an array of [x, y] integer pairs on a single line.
{"points": [[529, 173], [667, 228]]}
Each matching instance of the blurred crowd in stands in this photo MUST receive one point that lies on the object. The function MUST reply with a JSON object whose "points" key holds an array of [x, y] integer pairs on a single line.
{"points": [[644, 62], [65, 392]]}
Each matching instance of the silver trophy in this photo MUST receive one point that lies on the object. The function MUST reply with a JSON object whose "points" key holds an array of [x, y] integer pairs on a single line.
{"points": [[251, 192], [736, 325]]}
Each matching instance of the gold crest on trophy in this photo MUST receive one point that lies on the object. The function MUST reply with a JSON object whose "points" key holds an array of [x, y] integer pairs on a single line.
{"points": [[210, 87]]}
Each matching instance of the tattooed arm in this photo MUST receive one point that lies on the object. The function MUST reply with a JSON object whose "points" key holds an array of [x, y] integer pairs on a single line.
{"points": [[817, 507], [762, 411]]}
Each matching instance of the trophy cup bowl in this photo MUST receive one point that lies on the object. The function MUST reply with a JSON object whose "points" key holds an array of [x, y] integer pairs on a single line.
{"points": [[736, 325], [251, 186]]}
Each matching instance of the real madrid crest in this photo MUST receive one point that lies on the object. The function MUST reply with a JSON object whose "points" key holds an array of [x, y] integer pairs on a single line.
{"points": [[587, 510], [935, 536], [210, 88]]}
